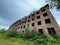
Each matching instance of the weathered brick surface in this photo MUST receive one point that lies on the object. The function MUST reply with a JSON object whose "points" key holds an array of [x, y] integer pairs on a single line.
{"points": [[19, 25]]}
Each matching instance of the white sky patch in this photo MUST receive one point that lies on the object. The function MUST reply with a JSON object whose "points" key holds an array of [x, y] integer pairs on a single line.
{"points": [[56, 15], [24, 6], [36, 4], [3, 20], [20, 8], [3, 27], [59, 24]]}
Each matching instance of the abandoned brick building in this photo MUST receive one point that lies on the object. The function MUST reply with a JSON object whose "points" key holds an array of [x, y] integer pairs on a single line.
{"points": [[41, 20]]}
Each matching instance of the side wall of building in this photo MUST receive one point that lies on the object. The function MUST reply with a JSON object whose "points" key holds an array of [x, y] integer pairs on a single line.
{"points": [[41, 20]]}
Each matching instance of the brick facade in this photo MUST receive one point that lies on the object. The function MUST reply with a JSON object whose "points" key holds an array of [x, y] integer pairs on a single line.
{"points": [[41, 20]]}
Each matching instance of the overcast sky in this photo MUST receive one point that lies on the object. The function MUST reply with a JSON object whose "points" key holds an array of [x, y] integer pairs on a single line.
{"points": [[12, 10]]}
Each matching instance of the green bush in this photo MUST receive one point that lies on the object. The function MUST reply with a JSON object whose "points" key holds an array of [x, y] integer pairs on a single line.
{"points": [[12, 33], [28, 34], [20, 35], [2, 31]]}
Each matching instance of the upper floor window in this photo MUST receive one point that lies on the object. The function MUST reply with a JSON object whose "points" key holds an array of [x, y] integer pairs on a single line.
{"points": [[32, 18], [21, 26], [45, 14], [47, 21], [38, 17], [37, 12], [29, 16], [32, 24], [28, 20], [40, 31], [25, 21], [32, 14], [24, 26], [39, 22], [51, 30], [43, 10]]}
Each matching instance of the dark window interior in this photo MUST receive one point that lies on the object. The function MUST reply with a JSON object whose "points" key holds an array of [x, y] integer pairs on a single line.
{"points": [[37, 12], [40, 31], [21, 26], [32, 24], [51, 30], [47, 21], [25, 21], [24, 26], [28, 20], [43, 10], [32, 18], [38, 17], [29, 16], [39, 22], [32, 14], [22, 31], [45, 14]]}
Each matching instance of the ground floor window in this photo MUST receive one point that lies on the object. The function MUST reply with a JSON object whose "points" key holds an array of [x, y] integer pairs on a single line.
{"points": [[51, 30], [40, 31]]}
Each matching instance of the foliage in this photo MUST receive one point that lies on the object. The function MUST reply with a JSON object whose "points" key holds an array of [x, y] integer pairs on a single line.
{"points": [[12, 33], [54, 3], [29, 37], [29, 33], [2, 31]]}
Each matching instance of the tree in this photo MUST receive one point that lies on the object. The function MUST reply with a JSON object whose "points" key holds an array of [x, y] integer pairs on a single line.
{"points": [[54, 3]]}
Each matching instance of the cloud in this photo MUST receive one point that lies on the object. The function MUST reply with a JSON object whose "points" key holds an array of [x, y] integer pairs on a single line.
{"points": [[3, 27], [12, 10], [56, 15]]}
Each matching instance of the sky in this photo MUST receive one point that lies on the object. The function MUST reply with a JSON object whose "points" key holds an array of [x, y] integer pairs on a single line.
{"points": [[13, 10]]}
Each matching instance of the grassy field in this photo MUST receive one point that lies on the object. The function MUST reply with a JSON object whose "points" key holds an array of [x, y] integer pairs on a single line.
{"points": [[21, 41], [14, 41]]}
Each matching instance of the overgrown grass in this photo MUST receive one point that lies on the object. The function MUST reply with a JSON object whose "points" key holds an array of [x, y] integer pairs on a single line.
{"points": [[33, 40]]}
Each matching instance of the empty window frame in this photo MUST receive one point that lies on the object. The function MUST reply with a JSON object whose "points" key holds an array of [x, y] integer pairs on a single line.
{"points": [[45, 14], [28, 20], [29, 16], [32, 18], [24, 26], [39, 22], [32, 24], [21, 26], [40, 31], [22, 31], [25, 18], [32, 14], [37, 12], [43, 10], [25, 21], [47, 21], [38, 17], [51, 30]]}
